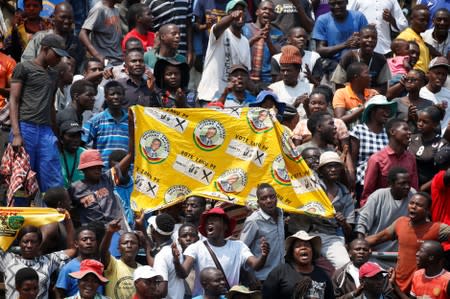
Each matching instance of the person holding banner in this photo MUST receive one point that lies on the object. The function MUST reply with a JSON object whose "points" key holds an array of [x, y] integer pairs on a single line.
{"points": [[30, 239]]}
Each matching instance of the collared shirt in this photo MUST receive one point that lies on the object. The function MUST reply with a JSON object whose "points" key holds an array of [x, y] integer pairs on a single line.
{"points": [[346, 97], [379, 165], [260, 224], [107, 134], [373, 11], [138, 94], [232, 101], [424, 59]]}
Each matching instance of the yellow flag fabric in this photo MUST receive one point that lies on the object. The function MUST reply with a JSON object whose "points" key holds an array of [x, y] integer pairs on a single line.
{"points": [[219, 154], [13, 219]]}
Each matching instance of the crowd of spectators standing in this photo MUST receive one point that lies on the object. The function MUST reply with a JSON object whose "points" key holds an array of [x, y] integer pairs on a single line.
{"points": [[360, 84]]}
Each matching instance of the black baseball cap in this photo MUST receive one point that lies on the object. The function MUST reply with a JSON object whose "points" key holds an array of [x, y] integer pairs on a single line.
{"points": [[56, 43], [70, 127]]}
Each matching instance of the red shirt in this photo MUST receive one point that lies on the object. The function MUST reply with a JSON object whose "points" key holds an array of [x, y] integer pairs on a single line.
{"points": [[147, 40], [379, 165], [409, 240], [430, 287], [440, 208]]}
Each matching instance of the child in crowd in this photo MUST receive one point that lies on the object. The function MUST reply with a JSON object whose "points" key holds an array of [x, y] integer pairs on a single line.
{"points": [[399, 64]]}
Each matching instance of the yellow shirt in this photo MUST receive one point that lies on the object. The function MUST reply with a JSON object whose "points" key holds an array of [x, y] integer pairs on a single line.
{"points": [[120, 277], [424, 58]]}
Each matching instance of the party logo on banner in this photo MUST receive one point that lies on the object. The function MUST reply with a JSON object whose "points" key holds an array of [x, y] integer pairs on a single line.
{"points": [[222, 155], [13, 219], [154, 146], [259, 120], [209, 135]]}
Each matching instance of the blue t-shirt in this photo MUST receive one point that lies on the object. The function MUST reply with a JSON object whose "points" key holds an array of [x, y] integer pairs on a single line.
{"points": [[334, 33], [67, 283], [249, 30]]}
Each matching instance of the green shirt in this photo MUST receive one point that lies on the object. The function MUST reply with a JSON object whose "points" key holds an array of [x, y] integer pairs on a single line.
{"points": [[69, 167], [151, 57]]}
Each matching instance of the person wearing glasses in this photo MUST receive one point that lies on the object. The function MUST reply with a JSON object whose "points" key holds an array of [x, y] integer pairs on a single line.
{"points": [[409, 105]]}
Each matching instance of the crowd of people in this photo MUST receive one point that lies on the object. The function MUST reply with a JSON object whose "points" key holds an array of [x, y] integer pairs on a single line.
{"points": [[360, 84]]}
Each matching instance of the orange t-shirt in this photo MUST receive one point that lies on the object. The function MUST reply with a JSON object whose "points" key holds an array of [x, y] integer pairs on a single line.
{"points": [[346, 97], [7, 65], [430, 287], [409, 240]]}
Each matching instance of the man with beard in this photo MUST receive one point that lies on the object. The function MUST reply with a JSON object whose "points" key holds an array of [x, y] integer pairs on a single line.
{"points": [[227, 46], [394, 154], [139, 84], [265, 41], [216, 226]]}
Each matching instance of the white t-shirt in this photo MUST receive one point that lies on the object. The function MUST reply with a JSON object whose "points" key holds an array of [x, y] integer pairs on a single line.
{"points": [[443, 47], [164, 265], [221, 54], [310, 58], [443, 96], [288, 94], [232, 256]]}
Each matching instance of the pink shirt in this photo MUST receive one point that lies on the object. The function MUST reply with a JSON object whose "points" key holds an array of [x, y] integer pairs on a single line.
{"points": [[379, 165], [396, 65]]}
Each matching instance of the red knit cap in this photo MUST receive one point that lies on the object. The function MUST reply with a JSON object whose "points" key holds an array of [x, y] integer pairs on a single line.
{"points": [[290, 54]]}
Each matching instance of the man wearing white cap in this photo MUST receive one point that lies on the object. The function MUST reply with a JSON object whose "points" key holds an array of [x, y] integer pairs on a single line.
{"points": [[149, 284]]}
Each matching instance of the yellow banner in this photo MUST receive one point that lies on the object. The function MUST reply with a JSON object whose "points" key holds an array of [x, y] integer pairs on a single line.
{"points": [[219, 154], [13, 219]]}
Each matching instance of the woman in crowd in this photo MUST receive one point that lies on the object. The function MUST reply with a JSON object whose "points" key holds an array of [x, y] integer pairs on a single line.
{"points": [[409, 105], [426, 143], [30, 239], [299, 274], [370, 136]]}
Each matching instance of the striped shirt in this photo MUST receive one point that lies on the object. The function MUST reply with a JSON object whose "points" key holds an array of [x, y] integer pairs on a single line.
{"points": [[107, 134], [177, 12]]}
